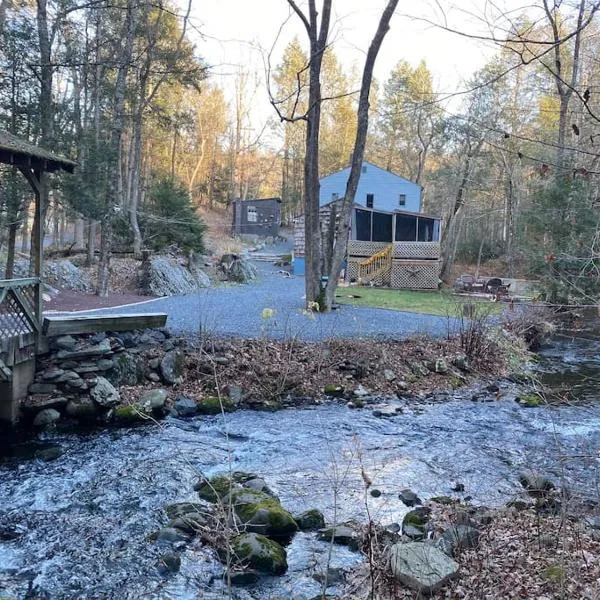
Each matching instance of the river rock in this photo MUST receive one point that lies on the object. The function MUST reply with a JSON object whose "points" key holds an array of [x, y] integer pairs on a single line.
{"points": [[171, 535], [169, 562], [82, 408], [46, 417], [342, 534], [52, 373], [414, 524], [537, 486], [421, 566], [185, 407], [153, 400], [261, 513], [457, 538], [260, 553], [311, 520], [190, 523], [409, 498], [104, 393], [245, 577], [260, 485], [172, 366], [64, 342], [389, 375], [212, 405]]}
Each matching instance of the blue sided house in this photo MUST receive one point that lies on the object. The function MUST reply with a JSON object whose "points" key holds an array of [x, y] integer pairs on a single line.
{"points": [[391, 243]]}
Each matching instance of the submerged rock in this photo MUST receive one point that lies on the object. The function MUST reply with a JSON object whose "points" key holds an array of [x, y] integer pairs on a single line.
{"points": [[343, 534], [409, 498], [421, 566]]}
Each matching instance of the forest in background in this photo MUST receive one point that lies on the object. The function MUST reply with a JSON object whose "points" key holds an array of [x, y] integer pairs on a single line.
{"points": [[510, 163]]}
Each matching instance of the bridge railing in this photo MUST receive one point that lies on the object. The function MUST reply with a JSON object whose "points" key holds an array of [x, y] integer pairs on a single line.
{"points": [[18, 307]]}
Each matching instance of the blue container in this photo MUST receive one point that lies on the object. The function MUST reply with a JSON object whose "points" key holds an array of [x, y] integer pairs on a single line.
{"points": [[298, 265]]}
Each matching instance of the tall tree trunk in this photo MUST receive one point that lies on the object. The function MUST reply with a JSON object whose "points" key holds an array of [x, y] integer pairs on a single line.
{"points": [[114, 177], [343, 227]]}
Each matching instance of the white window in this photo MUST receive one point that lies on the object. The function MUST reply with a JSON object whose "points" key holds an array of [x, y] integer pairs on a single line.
{"points": [[402, 200], [334, 196], [252, 214], [370, 200], [364, 169]]}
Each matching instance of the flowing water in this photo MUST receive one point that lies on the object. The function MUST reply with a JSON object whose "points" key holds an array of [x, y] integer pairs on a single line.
{"points": [[80, 521]]}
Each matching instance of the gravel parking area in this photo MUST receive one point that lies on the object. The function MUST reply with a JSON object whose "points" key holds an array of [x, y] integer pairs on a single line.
{"points": [[237, 310]]}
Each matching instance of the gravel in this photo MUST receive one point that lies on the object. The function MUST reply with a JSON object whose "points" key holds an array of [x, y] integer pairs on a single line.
{"points": [[237, 310]]}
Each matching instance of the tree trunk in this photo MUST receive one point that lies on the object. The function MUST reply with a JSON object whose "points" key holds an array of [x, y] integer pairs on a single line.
{"points": [[343, 228], [112, 188], [78, 233]]}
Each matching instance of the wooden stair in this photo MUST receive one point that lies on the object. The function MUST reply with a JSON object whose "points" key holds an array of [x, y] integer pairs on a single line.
{"points": [[377, 269]]}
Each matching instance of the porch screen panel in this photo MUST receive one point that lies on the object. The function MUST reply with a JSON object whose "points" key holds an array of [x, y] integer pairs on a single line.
{"points": [[426, 229], [406, 228], [363, 225], [382, 227]]}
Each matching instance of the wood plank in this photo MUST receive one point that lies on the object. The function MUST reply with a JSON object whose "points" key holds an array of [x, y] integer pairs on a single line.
{"points": [[61, 325]]}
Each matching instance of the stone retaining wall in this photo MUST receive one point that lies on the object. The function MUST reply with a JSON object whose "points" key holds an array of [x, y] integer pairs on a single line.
{"points": [[80, 376]]}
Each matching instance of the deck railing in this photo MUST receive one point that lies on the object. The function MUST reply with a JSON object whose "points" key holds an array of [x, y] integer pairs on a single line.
{"points": [[18, 307], [377, 268]]}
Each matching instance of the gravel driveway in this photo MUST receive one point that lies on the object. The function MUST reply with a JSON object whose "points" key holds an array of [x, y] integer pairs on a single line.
{"points": [[237, 310]]}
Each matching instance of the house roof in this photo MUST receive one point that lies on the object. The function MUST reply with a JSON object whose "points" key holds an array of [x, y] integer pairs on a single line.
{"points": [[365, 162], [260, 200], [358, 206], [17, 151]]}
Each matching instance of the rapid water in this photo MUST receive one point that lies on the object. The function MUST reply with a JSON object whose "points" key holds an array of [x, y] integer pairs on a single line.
{"points": [[81, 520]]}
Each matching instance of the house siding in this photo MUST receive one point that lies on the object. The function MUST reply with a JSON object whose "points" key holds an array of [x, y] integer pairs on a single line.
{"points": [[385, 187]]}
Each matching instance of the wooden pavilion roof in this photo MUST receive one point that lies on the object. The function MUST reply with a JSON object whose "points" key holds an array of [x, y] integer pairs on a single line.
{"points": [[17, 151]]}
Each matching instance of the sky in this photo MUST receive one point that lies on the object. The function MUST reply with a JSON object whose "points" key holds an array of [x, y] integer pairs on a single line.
{"points": [[241, 33]]}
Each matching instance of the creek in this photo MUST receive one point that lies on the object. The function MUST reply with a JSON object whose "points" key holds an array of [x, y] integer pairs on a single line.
{"points": [[76, 526]]}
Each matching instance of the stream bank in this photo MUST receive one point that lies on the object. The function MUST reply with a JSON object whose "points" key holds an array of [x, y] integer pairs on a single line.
{"points": [[78, 525]]}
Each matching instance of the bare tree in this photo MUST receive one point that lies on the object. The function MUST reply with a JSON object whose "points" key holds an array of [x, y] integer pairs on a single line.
{"points": [[318, 32]]}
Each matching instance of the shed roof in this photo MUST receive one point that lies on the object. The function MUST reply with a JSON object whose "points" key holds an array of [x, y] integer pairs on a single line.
{"points": [[17, 151]]}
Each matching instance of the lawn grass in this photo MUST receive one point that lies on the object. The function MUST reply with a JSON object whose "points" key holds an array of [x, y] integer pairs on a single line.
{"points": [[428, 302]]}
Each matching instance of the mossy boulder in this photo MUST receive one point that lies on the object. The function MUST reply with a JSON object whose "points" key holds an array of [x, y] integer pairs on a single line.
{"points": [[334, 389], [261, 513], [530, 400], [260, 553], [213, 489], [211, 405], [130, 413], [311, 520], [414, 524]]}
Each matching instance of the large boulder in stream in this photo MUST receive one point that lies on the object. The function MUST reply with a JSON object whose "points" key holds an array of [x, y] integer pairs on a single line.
{"points": [[260, 553], [260, 513]]}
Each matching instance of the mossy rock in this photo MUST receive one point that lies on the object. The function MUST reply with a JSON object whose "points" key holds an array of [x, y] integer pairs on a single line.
{"points": [[215, 488], [261, 513], [130, 413], [519, 505], [554, 573], [414, 524], [411, 377], [530, 400], [311, 520], [180, 508], [211, 405], [190, 523], [334, 389], [457, 382], [260, 553]]}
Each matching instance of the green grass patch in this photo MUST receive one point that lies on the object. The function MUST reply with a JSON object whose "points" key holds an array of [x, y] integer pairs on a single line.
{"points": [[433, 303]]}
